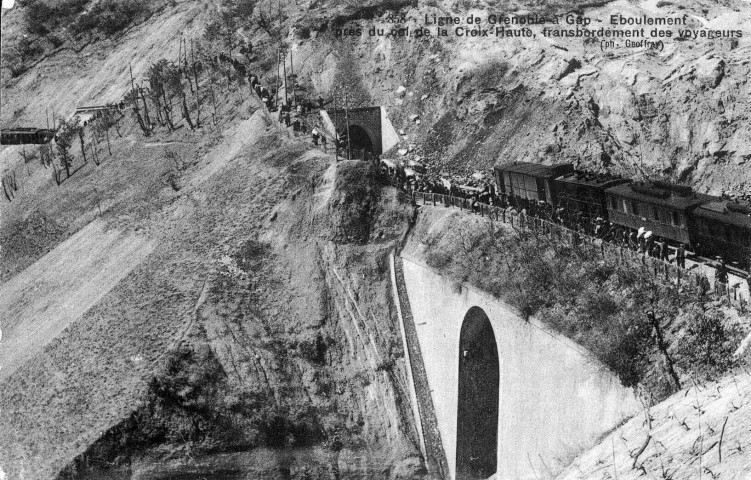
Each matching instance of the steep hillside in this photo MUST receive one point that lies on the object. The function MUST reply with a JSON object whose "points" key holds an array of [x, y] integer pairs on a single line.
{"points": [[677, 112], [470, 103], [265, 300], [702, 432]]}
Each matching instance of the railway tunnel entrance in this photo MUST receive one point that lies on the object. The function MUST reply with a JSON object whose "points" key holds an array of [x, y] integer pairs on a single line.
{"points": [[368, 129], [359, 139], [478, 399]]}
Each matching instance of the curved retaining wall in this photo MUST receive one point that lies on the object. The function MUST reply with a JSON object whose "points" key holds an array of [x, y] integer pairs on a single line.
{"points": [[556, 400]]}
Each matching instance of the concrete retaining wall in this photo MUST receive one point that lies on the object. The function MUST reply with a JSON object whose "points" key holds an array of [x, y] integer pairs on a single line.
{"points": [[555, 398]]}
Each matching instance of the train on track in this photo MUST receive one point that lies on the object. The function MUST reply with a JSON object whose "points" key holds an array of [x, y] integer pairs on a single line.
{"points": [[26, 136], [710, 226]]}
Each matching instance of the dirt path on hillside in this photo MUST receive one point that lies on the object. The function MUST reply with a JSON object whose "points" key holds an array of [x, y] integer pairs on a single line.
{"points": [[45, 298]]}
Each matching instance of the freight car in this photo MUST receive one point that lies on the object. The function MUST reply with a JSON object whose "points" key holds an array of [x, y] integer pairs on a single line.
{"points": [[723, 227], [530, 182], [662, 208]]}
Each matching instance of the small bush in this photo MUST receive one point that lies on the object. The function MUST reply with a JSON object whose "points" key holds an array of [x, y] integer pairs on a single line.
{"points": [[42, 17]]}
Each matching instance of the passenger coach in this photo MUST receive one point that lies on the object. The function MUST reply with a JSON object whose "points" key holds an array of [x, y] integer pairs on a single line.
{"points": [[24, 136], [662, 208], [723, 227]]}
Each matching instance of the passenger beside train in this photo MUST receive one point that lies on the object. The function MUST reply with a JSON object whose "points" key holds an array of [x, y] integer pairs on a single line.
{"points": [[649, 242], [680, 256], [665, 254]]}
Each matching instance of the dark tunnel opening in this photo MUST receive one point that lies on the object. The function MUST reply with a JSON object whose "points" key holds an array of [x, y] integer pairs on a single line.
{"points": [[477, 412], [359, 141]]}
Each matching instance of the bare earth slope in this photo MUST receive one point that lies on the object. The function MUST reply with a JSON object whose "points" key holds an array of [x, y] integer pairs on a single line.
{"points": [[263, 257], [702, 432], [40, 302]]}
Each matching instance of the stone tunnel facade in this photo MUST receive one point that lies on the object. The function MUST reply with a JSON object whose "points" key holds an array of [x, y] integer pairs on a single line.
{"points": [[366, 118]]}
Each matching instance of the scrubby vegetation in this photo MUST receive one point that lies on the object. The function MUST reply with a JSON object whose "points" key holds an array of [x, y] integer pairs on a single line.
{"points": [[50, 24], [110, 16], [649, 331]]}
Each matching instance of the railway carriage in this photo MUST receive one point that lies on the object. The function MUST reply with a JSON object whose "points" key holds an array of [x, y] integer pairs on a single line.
{"points": [[530, 182], [723, 227], [584, 192], [25, 136], [662, 208]]}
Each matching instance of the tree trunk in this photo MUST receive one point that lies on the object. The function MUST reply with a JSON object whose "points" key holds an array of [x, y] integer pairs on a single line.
{"points": [[159, 116], [55, 173], [167, 106], [662, 346], [146, 131], [8, 189], [83, 146], [145, 109], [213, 99], [186, 113], [195, 78]]}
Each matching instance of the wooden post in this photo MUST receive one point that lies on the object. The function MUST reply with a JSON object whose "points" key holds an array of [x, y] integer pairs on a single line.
{"points": [[336, 128], [284, 66], [346, 116], [294, 79], [276, 96], [195, 78]]}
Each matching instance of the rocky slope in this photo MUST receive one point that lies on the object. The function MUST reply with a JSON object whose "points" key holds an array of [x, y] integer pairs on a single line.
{"points": [[678, 112]]}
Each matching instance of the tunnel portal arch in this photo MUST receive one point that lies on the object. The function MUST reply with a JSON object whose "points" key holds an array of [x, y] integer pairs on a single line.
{"points": [[360, 139], [363, 124], [478, 398]]}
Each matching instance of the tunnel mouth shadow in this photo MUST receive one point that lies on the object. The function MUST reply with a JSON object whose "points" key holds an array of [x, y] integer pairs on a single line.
{"points": [[359, 139], [478, 397]]}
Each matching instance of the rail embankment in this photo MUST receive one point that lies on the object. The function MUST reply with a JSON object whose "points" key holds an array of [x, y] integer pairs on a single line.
{"points": [[653, 332]]}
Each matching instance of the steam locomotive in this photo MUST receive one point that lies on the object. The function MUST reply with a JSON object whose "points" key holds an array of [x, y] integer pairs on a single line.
{"points": [[708, 225]]}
